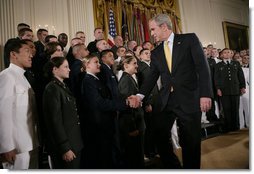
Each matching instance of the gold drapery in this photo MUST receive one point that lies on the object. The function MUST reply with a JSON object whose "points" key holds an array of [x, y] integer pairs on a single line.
{"points": [[138, 13]]}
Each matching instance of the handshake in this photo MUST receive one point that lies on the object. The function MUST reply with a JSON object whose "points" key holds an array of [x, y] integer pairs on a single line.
{"points": [[134, 101]]}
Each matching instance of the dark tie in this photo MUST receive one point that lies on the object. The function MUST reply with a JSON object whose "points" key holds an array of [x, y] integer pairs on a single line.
{"points": [[228, 63]]}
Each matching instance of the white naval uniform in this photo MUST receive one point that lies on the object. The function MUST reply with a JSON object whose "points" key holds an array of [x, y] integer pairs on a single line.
{"points": [[17, 117]]}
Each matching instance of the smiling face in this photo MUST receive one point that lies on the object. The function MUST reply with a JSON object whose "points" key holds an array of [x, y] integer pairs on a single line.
{"points": [[159, 32], [145, 55], [131, 67], [93, 65], [108, 59]]}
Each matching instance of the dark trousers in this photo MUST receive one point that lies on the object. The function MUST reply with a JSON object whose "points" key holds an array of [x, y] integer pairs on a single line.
{"points": [[149, 143], [189, 135], [59, 163], [230, 105], [97, 152], [211, 116], [133, 151]]}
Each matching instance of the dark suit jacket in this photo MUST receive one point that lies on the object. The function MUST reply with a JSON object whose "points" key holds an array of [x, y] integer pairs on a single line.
{"points": [[70, 57], [190, 76], [61, 119], [39, 47], [229, 78], [114, 49], [100, 108], [131, 119], [143, 73], [92, 47], [108, 77], [74, 77]]}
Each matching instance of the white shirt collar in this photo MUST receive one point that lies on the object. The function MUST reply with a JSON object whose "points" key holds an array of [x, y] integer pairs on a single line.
{"points": [[171, 38], [17, 69], [226, 60], [107, 65], [147, 62], [93, 75]]}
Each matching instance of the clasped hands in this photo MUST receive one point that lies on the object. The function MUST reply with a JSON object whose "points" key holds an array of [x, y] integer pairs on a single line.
{"points": [[134, 101]]}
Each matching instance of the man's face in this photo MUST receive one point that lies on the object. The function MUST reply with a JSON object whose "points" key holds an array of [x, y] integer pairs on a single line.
{"points": [[76, 42], [109, 59], [102, 45], [119, 41], [156, 31], [226, 54], [98, 34], [32, 48], [28, 35], [63, 40], [145, 55], [43, 36], [245, 59], [82, 37], [22, 59], [121, 52]]}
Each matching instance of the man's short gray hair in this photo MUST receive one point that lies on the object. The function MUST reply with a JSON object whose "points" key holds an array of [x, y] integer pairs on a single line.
{"points": [[161, 19]]}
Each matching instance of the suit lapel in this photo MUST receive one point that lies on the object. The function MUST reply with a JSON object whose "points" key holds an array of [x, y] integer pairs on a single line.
{"points": [[164, 62], [175, 52]]}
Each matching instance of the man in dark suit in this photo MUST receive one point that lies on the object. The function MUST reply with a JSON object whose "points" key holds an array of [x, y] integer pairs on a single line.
{"points": [[211, 115], [186, 91], [98, 34]]}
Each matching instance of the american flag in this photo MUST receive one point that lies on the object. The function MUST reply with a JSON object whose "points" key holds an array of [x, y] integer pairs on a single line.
{"points": [[112, 28]]}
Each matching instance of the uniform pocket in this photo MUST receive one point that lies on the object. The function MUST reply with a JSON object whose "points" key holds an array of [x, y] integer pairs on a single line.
{"points": [[21, 95]]}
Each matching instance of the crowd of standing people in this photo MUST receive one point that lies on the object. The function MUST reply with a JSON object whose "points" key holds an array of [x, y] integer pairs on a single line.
{"points": [[101, 107]]}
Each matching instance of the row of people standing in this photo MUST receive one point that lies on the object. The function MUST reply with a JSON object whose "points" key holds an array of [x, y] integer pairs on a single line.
{"points": [[175, 108]]}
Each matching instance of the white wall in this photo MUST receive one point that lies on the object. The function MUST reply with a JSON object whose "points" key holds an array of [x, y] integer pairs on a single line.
{"points": [[57, 16], [204, 17]]}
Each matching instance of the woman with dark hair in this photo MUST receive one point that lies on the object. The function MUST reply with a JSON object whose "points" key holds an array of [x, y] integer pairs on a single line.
{"points": [[53, 49], [64, 140], [131, 121]]}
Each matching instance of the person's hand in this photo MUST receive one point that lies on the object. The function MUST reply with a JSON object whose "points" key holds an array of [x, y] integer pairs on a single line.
{"points": [[205, 104], [134, 133], [219, 93], [243, 91], [134, 101], [69, 156], [9, 157], [148, 108]]}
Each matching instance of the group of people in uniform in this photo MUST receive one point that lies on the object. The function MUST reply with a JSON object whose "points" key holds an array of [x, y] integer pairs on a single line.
{"points": [[98, 107]]}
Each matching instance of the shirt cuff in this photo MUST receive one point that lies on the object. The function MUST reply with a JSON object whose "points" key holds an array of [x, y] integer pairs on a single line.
{"points": [[141, 96]]}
